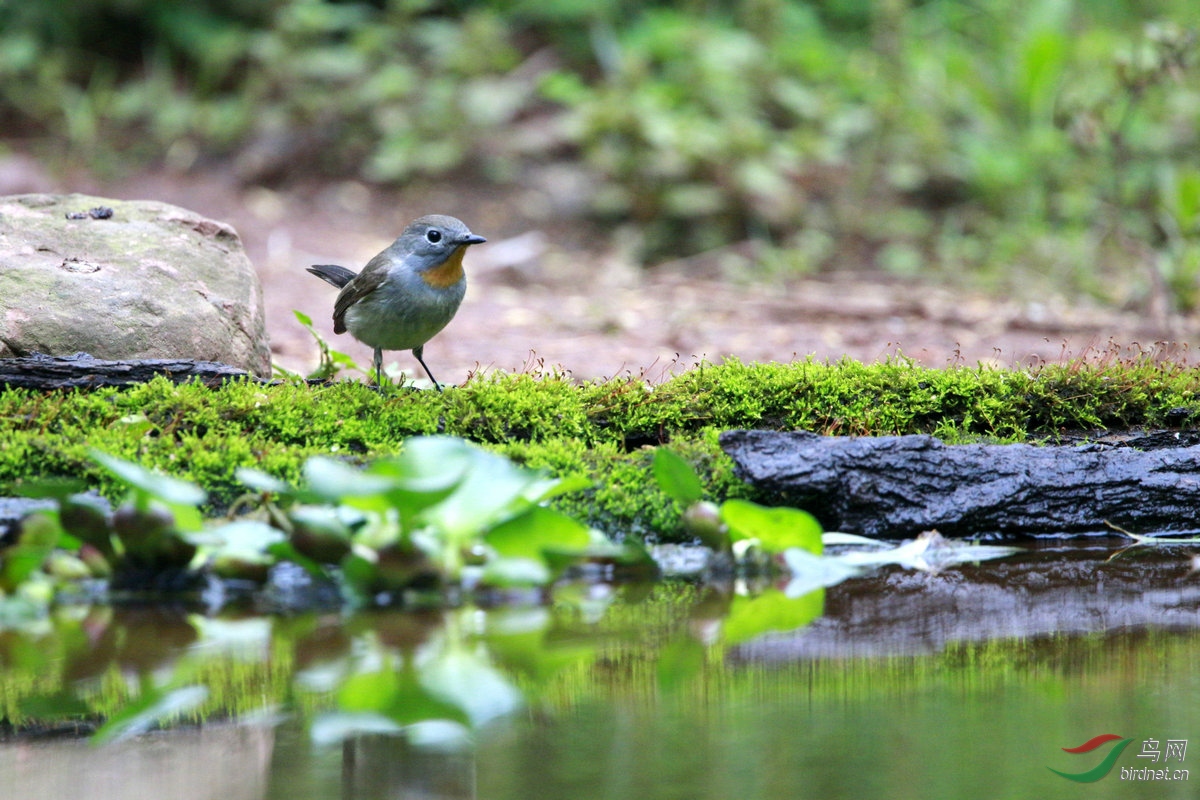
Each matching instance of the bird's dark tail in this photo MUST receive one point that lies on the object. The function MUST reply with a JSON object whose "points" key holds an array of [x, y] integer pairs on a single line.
{"points": [[333, 274]]}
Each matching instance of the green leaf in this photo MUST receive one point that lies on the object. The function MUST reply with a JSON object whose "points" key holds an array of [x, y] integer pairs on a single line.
{"points": [[520, 640], [152, 708], [527, 535], [261, 481], [428, 464], [359, 574], [676, 477], [511, 572], [560, 486], [336, 726], [162, 487], [776, 529], [369, 691], [469, 683], [398, 695], [750, 617], [135, 425], [425, 472], [491, 490], [246, 537], [335, 481], [285, 551]]}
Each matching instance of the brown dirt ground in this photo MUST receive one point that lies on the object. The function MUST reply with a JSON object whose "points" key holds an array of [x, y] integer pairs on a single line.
{"points": [[540, 297]]}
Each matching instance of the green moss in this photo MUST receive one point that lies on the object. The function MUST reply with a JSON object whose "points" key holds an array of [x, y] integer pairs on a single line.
{"points": [[600, 430]]}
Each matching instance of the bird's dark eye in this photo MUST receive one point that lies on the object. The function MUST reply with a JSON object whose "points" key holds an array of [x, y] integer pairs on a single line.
{"points": [[434, 236]]}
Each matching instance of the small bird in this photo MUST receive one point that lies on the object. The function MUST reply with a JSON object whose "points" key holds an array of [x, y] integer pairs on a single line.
{"points": [[407, 293]]}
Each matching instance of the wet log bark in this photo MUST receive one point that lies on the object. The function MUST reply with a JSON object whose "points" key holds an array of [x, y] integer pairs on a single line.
{"points": [[898, 486], [81, 370]]}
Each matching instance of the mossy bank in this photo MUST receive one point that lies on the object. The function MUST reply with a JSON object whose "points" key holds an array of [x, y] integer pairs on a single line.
{"points": [[599, 430]]}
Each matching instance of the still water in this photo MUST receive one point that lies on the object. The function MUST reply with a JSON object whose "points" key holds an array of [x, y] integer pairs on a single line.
{"points": [[967, 683]]}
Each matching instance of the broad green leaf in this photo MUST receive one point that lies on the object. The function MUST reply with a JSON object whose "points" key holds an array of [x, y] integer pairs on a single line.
{"points": [[284, 551], [750, 617], [247, 639], [153, 707], [512, 572], [527, 535], [161, 487], [135, 425], [776, 529], [246, 537], [425, 473], [466, 681], [359, 573], [335, 481], [428, 463], [336, 726], [676, 477], [369, 691], [523, 642], [438, 734], [398, 695], [260, 481], [493, 488], [556, 487], [631, 557], [187, 516]]}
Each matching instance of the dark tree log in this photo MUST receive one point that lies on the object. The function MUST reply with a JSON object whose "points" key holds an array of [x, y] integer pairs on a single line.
{"points": [[81, 370], [898, 486]]}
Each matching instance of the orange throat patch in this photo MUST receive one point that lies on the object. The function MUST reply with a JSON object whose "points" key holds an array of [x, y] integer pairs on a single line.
{"points": [[448, 273]]}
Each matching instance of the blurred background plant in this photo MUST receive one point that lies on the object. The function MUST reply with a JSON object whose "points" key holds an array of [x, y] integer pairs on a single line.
{"points": [[1031, 144]]}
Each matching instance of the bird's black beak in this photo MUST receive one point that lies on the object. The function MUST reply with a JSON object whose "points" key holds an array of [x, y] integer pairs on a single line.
{"points": [[471, 238]]}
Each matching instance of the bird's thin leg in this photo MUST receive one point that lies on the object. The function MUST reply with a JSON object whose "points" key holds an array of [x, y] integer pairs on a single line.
{"points": [[379, 367], [418, 352]]}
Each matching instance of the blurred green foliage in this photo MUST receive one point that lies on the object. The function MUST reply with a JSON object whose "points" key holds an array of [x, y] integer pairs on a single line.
{"points": [[1033, 143]]}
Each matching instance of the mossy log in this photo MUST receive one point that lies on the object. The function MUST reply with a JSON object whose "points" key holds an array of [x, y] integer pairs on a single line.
{"points": [[44, 372], [897, 486]]}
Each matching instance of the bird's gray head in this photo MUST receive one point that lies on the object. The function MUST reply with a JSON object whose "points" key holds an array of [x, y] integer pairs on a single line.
{"points": [[434, 246], [436, 237]]}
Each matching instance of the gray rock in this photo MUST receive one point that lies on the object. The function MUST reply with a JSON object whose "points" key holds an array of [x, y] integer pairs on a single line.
{"points": [[151, 281]]}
